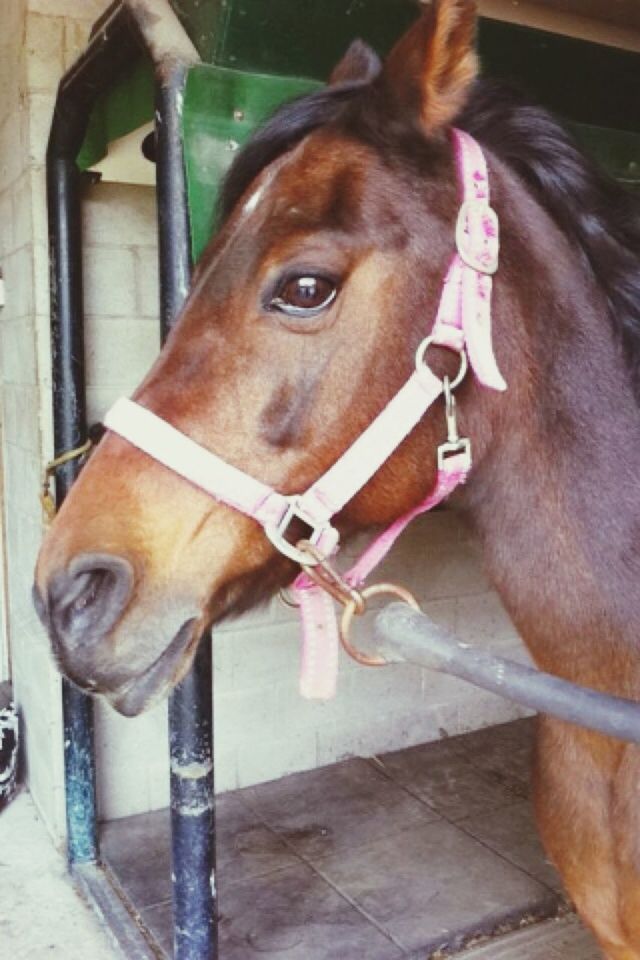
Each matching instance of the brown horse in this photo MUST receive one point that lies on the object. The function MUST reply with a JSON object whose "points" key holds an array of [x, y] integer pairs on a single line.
{"points": [[303, 320]]}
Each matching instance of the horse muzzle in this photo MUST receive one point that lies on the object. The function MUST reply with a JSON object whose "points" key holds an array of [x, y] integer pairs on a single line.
{"points": [[84, 602], [80, 607]]}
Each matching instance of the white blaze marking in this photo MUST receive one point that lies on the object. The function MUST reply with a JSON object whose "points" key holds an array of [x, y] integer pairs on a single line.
{"points": [[254, 200]]}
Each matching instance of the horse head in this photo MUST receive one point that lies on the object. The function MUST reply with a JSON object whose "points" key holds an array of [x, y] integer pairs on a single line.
{"points": [[303, 320]]}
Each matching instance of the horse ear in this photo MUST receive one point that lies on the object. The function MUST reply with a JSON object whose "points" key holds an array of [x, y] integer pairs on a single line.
{"points": [[431, 69], [360, 64]]}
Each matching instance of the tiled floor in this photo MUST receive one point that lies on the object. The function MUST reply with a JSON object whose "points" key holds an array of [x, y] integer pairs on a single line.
{"points": [[400, 856]]}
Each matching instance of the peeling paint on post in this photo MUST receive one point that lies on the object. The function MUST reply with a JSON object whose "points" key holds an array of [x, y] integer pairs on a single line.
{"points": [[192, 811], [79, 766]]}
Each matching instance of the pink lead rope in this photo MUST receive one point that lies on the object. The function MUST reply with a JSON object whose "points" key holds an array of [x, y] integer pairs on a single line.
{"points": [[463, 324]]}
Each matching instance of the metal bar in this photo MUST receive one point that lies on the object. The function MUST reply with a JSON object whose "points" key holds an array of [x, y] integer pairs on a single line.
{"points": [[193, 813], [162, 35], [78, 89], [191, 703], [404, 635], [174, 235], [116, 40], [69, 426]]}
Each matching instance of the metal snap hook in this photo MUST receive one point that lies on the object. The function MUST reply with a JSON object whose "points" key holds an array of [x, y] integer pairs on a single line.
{"points": [[319, 570], [454, 445]]}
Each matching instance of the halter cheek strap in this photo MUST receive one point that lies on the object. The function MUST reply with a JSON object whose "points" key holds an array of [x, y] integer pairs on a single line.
{"points": [[463, 324]]}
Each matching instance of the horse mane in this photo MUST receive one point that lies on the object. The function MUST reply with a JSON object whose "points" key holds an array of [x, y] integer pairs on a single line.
{"points": [[598, 215]]}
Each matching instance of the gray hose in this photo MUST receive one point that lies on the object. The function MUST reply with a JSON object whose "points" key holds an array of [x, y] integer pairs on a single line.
{"points": [[403, 635]]}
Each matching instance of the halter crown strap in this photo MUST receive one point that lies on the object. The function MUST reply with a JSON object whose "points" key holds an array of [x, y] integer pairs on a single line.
{"points": [[464, 314]]}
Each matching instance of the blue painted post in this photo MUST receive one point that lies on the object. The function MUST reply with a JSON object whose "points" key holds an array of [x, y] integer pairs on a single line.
{"points": [[192, 812]]}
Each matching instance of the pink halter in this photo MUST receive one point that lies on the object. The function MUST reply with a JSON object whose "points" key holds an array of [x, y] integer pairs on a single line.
{"points": [[463, 324]]}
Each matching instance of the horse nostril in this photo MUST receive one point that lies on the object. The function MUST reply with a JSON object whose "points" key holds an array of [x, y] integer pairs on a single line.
{"points": [[89, 596], [87, 589]]}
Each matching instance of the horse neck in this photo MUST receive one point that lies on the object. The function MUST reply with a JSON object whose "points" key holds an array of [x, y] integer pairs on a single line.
{"points": [[555, 498]]}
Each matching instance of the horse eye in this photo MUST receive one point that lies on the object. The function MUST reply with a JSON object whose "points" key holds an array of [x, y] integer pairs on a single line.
{"points": [[305, 296]]}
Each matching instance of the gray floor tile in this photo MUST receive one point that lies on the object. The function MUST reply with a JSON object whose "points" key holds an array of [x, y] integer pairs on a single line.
{"points": [[504, 752], [435, 886], [293, 914], [246, 848], [137, 849], [511, 832], [424, 881], [336, 809], [297, 916], [443, 777]]}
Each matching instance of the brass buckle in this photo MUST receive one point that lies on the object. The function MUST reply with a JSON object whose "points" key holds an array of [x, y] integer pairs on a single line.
{"points": [[476, 216]]}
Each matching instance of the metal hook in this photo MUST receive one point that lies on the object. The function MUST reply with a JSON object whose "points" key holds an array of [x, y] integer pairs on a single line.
{"points": [[454, 444]]}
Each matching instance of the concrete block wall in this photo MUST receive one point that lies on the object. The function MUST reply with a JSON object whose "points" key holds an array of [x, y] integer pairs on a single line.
{"points": [[39, 39], [376, 709], [263, 729], [36, 686]]}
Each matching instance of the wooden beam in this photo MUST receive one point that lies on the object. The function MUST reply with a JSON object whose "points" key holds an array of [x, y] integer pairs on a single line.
{"points": [[559, 16]]}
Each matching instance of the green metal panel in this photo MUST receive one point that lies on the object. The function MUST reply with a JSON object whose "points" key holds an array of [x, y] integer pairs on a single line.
{"points": [[128, 106], [583, 82], [221, 108], [261, 47], [200, 20], [304, 37]]}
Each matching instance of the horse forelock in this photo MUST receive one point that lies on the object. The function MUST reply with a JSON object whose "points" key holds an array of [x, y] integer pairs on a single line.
{"points": [[288, 126]]}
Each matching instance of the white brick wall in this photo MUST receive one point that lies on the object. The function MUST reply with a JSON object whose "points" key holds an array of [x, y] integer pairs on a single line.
{"points": [[263, 729], [36, 42]]}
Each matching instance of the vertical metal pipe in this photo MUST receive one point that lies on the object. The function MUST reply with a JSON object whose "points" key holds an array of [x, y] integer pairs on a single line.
{"points": [[192, 812], [69, 425], [122, 30], [110, 50], [191, 704], [174, 235]]}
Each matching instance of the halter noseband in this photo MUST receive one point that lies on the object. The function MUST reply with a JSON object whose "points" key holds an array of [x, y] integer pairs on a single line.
{"points": [[463, 324]]}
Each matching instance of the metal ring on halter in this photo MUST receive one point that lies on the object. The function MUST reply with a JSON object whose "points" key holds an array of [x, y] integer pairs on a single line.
{"points": [[320, 571], [420, 360], [286, 600], [351, 610]]}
